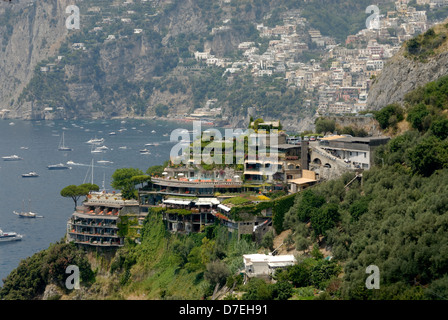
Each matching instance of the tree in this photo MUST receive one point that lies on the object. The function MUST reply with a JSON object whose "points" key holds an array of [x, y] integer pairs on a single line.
{"points": [[216, 272], [155, 170], [76, 192], [282, 290], [299, 275], [439, 128], [268, 240], [325, 218], [325, 125], [122, 180], [140, 179], [416, 116]]}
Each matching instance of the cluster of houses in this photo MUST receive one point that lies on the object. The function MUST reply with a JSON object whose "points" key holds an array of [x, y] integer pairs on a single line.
{"points": [[343, 83]]}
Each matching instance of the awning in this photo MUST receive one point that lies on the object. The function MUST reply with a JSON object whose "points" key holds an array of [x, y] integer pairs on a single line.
{"points": [[223, 207], [253, 172], [207, 202], [174, 201], [302, 181]]}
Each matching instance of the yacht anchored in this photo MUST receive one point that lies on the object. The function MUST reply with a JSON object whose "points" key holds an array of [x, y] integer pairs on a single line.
{"points": [[62, 146], [31, 174], [59, 166], [12, 158], [9, 236], [95, 141]]}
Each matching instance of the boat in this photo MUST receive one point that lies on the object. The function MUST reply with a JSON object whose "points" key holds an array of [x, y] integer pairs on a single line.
{"points": [[27, 214], [59, 166], [62, 146], [12, 158], [95, 141], [31, 174], [96, 150], [112, 133], [104, 161], [9, 236], [144, 151]]}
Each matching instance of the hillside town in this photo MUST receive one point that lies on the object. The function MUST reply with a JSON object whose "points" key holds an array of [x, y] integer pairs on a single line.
{"points": [[341, 85]]}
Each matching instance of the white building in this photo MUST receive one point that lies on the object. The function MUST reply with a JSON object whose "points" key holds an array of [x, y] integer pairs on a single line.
{"points": [[262, 265]]}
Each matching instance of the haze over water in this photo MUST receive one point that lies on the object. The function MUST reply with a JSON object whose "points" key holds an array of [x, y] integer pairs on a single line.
{"points": [[42, 194]]}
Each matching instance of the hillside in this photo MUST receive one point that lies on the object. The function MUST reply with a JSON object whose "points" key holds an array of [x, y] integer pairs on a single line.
{"points": [[137, 58], [395, 218], [419, 61]]}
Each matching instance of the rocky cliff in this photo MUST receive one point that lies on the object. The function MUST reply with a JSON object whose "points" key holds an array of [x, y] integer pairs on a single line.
{"points": [[29, 33], [408, 71]]}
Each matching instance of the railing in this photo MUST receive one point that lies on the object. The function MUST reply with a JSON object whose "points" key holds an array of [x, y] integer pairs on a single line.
{"points": [[196, 182], [331, 157]]}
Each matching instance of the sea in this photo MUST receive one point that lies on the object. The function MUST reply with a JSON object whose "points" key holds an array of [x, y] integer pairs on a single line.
{"points": [[37, 143]]}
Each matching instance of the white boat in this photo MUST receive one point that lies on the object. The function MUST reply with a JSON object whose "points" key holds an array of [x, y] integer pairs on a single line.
{"points": [[12, 158], [27, 214], [102, 148], [144, 151], [62, 146], [123, 147], [31, 174], [95, 141], [104, 161], [112, 133], [9, 236], [59, 166], [96, 150]]}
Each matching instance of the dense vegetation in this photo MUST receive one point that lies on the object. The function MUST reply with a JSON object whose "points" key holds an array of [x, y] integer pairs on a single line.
{"points": [[29, 279], [425, 45]]}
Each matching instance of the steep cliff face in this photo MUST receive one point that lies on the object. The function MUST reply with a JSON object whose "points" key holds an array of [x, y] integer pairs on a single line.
{"points": [[401, 76], [404, 72], [118, 71], [30, 34]]}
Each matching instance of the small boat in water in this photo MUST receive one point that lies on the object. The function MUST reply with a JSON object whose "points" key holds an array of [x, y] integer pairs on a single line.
{"points": [[59, 166], [9, 236], [27, 214], [62, 146], [31, 174], [95, 141], [12, 158]]}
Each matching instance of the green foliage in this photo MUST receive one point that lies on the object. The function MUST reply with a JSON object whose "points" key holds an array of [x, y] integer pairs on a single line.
{"points": [[423, 46], [325, 125], [268, 240], [324, 219], [389, 116], [417, 116], [76, 192], [34, 273], [122, 179], [216, 272]]}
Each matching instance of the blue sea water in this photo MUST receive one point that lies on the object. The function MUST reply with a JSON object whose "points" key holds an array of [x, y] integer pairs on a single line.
{"points": [[42, 194]]}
